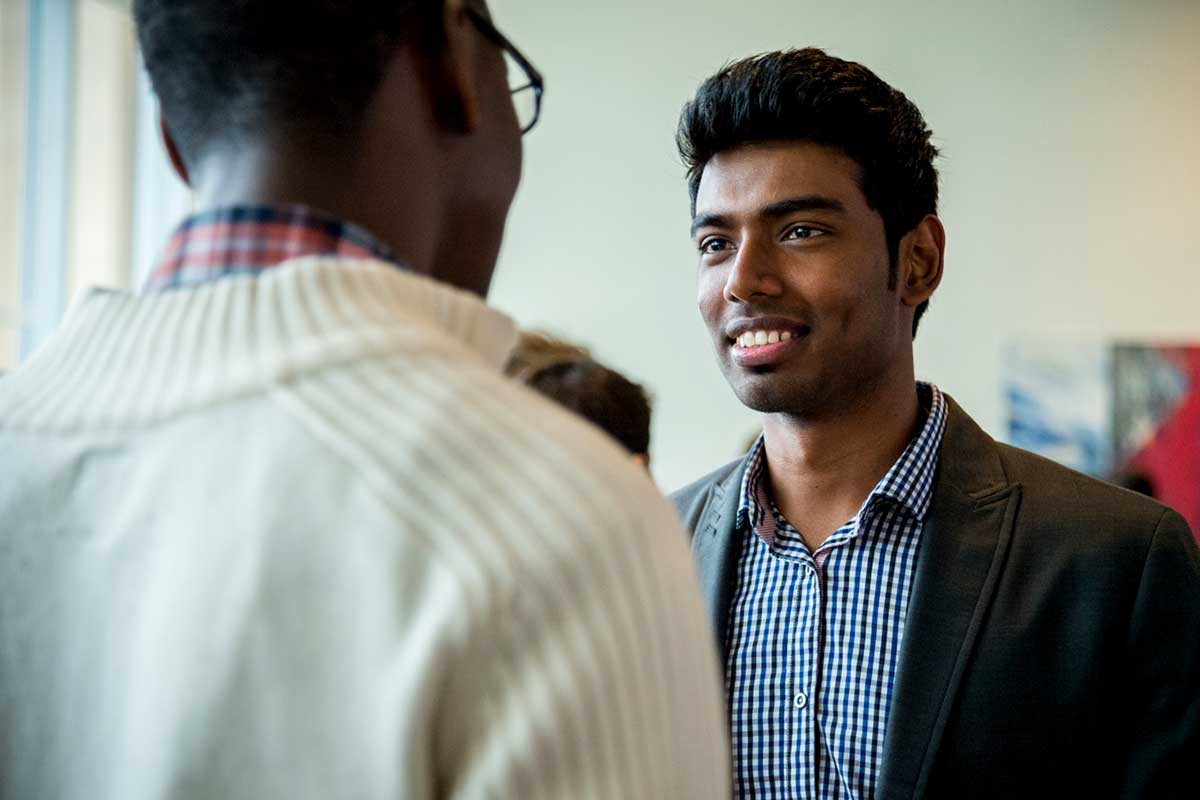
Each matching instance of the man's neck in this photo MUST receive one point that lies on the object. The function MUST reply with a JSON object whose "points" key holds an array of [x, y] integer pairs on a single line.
{"points": [[278, 174], [822, 470]]}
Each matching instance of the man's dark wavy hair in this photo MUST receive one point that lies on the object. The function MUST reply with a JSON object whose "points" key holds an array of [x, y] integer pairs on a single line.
{"points": [[812, 96]]}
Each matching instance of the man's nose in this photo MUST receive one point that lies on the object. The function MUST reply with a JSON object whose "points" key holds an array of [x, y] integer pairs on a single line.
{"points": [[753, 275]]}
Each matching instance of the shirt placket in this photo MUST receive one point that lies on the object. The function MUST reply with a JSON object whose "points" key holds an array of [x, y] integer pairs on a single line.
{"points": [[805, 688], [821, 579], [820, 559], [823, 781]]}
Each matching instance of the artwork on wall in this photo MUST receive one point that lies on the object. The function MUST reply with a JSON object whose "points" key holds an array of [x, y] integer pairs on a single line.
{"points": [[1124, 412]]}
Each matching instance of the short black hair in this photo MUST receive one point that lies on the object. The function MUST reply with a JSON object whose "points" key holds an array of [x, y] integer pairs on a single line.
{"points": [[225, 69], [568, 375], [810, 95]]}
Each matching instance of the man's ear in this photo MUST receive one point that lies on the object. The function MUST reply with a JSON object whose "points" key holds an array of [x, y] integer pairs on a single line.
{"points": [[451, 76], [922, 252], [177, 162]]}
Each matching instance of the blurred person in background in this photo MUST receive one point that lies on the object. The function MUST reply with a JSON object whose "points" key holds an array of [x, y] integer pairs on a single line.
{"points": [[907, 608], [279, 527], [568, 375], [1136, 482]]}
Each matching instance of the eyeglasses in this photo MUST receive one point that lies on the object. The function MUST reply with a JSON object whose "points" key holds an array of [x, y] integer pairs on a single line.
{"points": [[524, 81]]}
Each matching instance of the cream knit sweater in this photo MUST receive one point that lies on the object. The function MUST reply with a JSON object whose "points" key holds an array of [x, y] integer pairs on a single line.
{"points": [[294, 536]]}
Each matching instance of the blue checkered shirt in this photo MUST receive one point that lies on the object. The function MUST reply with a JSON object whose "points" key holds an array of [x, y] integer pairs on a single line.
{"points": [[814, 638]]}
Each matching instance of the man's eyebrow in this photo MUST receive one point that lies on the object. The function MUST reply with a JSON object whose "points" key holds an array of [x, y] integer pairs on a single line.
{"points": [[808, 202], [709, 221], [780, 208]]}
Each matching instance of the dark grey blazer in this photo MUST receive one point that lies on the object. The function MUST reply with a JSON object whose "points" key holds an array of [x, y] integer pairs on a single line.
{"points": [[1052, 646]]}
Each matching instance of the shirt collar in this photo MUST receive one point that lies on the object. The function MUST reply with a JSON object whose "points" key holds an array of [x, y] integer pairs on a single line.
{"points": [[245, 240], [749, 509], [909, 482]]}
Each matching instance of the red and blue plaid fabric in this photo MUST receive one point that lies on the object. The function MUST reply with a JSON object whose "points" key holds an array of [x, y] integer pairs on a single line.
{"points": [[245, 240], [814, 638]]}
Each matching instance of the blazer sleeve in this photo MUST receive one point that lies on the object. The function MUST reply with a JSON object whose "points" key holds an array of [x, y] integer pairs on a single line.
{"points": [[1163, 670]]}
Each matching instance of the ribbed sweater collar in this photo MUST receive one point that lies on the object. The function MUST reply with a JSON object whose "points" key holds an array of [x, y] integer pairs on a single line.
{"points": [[120, 360]]}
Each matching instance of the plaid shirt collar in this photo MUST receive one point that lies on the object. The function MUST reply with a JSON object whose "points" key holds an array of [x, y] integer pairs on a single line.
{"points": [[909, 483], [245, 240]]}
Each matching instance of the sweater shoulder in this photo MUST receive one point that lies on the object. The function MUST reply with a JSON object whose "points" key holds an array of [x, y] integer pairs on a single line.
{"points": [[475, 450]]}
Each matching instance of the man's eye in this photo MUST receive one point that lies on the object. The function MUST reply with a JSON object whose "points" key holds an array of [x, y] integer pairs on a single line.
{"points": [[803, 232], [713, 245]]}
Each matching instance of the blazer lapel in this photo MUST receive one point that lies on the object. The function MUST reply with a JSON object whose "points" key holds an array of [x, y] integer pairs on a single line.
{"points": [[963, 545], [715, 551]]}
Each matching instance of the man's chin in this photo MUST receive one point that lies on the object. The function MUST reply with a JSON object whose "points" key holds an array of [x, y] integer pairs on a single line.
{"points": [[768, 395], [763, 397]]}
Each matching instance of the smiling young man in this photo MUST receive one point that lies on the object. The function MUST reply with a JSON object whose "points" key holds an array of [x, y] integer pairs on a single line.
{"points": [[278, 527], [907, 608]]}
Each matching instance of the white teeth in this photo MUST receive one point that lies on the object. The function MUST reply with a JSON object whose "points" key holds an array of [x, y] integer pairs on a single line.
{"points": [[759, 338]]}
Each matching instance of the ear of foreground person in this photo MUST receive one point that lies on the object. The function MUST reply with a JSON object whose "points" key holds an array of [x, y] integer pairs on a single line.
{"points": [[278, 527]]}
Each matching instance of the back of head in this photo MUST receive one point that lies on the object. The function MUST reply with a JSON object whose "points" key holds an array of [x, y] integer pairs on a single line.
{"points": [[398, 116], [225, 69], [567, 374], [812, 96]]}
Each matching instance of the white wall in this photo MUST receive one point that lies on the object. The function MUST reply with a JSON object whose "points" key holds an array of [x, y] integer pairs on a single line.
{"points": [[12, 158], [101, 199], [1070, 132], [94, 215]]}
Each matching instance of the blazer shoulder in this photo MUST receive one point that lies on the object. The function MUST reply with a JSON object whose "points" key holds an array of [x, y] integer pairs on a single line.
{"points": [[691, 500], [1059, 495]]}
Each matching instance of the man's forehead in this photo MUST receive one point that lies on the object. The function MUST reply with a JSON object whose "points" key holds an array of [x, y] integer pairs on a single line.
{"points": [[750, 178], [794, 167]]}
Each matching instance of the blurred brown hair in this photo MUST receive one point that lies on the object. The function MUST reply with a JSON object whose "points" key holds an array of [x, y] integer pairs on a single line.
{"points": [[567, 374]]}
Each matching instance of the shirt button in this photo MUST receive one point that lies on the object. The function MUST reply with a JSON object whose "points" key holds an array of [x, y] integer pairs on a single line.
{"points": [[801, 700]]}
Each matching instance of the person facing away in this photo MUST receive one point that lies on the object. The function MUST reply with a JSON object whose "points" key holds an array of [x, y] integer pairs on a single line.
{"points": [[279, 527], [568, 375], [906, 607]]}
